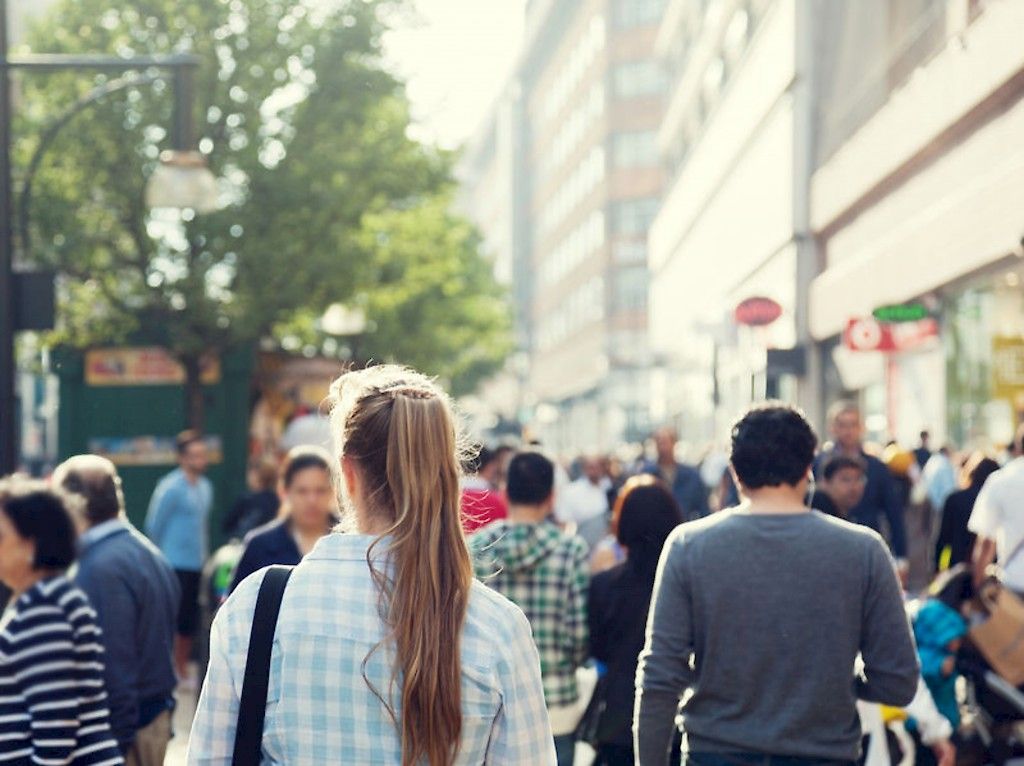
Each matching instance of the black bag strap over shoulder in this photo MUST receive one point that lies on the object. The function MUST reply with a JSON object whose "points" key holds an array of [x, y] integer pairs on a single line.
{"points": [[253, 706]]}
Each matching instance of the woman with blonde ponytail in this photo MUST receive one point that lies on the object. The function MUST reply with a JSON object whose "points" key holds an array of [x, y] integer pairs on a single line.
{"points": [[386, 651]]}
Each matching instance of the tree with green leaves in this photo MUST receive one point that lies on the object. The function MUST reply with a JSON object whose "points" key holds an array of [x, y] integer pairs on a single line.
{"points": [[326, 197]]}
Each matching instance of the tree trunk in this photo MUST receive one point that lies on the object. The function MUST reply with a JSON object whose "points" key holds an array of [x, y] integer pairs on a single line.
{"points": [[195, 397]]}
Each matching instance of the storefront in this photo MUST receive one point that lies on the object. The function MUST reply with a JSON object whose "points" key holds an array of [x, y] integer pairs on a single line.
{"points": [[984, 345]]}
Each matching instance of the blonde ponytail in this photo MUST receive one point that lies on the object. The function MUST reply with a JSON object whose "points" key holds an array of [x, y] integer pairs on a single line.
{"points": [[401, 432]]}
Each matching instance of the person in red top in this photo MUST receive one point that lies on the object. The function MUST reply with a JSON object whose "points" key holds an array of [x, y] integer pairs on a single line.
{"points": [[482, 501]]}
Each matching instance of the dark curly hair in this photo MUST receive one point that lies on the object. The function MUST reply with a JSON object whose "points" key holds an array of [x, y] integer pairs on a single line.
{"points": [[772, 444]]}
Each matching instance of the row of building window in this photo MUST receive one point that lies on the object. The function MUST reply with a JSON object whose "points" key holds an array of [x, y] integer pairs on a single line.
{"points": [[586, 177], [627, 14], [582, 307], [733, 44], [570, 135], [581, 243], [586, 51]]}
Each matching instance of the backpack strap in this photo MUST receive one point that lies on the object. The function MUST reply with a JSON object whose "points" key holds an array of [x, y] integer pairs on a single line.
{"points": [[253, 706]]}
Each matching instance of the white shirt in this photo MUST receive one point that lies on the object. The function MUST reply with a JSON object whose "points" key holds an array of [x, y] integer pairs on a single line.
{"points": [[581, 501], [999, 514]]}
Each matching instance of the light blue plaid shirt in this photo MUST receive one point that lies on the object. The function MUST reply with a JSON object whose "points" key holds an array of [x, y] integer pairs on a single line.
{"points": [[320, 709]]}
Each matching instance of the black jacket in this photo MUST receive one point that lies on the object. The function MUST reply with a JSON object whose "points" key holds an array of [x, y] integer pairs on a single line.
{"points": [[617, 616], [953, 532], [268, 545]]}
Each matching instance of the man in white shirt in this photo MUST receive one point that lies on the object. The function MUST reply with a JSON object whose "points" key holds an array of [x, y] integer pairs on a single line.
{"points": [[998, 520], [585, 502]]}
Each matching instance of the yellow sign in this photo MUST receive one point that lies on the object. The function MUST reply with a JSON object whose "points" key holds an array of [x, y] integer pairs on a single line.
{"points": [[1008, 369], [149, 366]]}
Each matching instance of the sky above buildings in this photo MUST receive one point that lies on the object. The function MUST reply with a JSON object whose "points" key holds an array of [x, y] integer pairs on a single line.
{"points": [[455, 56]]}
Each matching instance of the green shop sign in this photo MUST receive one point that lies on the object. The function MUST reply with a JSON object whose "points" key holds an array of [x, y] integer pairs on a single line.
{"points": [[906, 312]]}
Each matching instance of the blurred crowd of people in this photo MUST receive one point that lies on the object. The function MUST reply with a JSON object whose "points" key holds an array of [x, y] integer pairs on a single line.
{"points": [[101, 625]]}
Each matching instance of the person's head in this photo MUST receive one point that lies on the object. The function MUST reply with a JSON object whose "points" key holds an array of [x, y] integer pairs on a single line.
{"points": [[396, 438], [593, 468], [263, 474], [773, 447], [645, 514], [37, 534], [843, 479], [307, 488], [924, 436], [978, 468], [665, 444], [846, 425], [193, 456], [95, 480], [531, 482]]}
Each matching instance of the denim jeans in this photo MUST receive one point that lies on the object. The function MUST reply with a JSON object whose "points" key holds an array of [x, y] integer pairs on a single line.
{"points": [[756, 759]]}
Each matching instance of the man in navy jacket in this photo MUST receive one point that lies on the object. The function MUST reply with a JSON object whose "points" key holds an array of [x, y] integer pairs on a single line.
{"points": [[136, 595], [881, 497], [683, 480]]}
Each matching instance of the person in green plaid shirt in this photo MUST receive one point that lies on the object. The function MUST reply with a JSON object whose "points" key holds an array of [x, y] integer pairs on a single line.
{"points": [[530, 561]]}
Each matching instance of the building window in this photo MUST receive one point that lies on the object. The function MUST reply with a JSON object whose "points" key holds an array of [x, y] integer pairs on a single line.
{"points": [[633, 216], [633, 79], [631, 289], [635, 149], [630, 251], [637, 13]]}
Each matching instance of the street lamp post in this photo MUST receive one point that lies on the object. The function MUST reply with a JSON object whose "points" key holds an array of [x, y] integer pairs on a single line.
{"points": [[182, 180]]}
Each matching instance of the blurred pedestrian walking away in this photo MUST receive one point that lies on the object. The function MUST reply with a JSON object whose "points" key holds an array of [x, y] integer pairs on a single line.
{"points": [[617, 609], [136, 597], [308, 514], [177, 521], [53, 703], [528, 559], [761, 612], [385, 649]]}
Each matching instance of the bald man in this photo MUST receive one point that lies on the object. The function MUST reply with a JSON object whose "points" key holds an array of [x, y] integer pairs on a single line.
{"points": [[136, 596]]}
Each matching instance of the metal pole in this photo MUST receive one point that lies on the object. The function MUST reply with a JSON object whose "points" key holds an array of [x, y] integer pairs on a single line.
{"points": [[8, 414], [182, 126]]}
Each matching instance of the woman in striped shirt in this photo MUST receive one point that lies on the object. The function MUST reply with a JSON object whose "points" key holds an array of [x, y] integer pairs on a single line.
{"points": [[53, 705]]}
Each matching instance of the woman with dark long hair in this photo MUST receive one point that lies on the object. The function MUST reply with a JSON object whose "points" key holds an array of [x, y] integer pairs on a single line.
{"points": [[955, 542], [645, 514], [385, 650]]}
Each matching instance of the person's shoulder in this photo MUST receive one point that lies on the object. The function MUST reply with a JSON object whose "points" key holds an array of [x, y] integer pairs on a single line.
{"points": [[845, 532], [492, 614], [603, 581], [487, 534], [265, 534]]}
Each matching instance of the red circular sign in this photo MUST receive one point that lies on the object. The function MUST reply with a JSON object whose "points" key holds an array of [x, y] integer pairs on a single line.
{"points": [[757, 311]]}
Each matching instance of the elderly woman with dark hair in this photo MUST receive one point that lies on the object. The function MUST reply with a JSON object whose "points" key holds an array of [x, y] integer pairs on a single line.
{"points": [[645, 514], [53, 704]]}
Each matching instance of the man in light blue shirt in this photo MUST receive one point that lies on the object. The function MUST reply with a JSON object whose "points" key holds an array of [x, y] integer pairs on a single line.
{"points": [[177, 522]]}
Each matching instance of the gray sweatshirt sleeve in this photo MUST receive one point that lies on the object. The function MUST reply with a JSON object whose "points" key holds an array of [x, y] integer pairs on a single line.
{"points": [[891, 668], [663, 672]]}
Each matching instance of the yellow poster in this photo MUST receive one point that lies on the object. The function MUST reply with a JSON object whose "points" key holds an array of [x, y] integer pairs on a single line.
{"points": [[148, 366]]}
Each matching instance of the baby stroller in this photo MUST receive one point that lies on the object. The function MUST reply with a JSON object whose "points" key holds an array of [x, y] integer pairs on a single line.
{"points": [[996, 710]]}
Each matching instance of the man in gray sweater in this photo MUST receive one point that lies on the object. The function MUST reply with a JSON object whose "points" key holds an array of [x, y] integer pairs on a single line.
{"points": [[761, 612]]}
